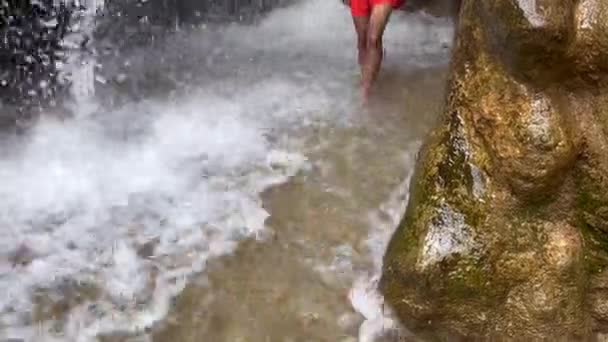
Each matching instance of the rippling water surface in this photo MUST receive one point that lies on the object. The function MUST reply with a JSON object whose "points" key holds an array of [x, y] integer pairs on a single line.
{"points": [[223, 185]]}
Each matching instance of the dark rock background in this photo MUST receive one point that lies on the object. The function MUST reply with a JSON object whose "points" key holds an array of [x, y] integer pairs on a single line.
{"points": [[37, 35]]}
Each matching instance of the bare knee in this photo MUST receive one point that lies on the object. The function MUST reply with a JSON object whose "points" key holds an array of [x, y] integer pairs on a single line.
{"points": [[362, 43], [374, 41]]}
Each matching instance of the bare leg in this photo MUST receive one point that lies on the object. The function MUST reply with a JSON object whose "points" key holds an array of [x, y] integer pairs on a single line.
{"points": [[361, 26], [373, 60]]}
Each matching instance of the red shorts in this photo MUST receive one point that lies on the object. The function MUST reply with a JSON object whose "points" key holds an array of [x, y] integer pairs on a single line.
{"points": [[363, 8]]}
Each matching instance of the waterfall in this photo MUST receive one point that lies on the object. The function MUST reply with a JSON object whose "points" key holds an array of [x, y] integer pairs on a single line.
{"points": [[82, 60]]}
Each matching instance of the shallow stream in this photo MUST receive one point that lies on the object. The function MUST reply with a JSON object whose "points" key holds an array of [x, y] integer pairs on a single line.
{"points": [[224, 186]]}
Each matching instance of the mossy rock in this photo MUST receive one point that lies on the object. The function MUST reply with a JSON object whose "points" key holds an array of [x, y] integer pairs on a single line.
{"points": [[506, 232]]}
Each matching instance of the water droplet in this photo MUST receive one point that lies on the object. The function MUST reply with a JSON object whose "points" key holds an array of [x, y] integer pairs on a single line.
{"points": [[49, 24], [121, 78]]}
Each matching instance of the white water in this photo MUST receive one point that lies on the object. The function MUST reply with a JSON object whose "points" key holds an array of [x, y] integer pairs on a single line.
{"points": [[79, 198], [364, 295]]}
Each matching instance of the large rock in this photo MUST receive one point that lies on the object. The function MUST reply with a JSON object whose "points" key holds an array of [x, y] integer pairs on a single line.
{"points": [[506, 232]]}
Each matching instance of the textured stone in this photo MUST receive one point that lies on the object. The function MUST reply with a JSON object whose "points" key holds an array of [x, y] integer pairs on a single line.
{"points": [[506, 231]]}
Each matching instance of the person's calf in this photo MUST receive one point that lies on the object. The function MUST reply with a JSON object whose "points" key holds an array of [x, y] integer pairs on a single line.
{"points": [[373, 60], [362, 49], [375, 50]]}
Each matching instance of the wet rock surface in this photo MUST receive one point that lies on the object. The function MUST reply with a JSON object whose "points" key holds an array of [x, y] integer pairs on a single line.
{"points": [[505, 235]]}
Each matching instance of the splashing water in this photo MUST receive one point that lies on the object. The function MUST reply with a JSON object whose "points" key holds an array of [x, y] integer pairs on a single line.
{"points": [[123, 206]]}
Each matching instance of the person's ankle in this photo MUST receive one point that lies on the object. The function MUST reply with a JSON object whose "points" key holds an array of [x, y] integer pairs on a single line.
{"points": [[365, 92]]}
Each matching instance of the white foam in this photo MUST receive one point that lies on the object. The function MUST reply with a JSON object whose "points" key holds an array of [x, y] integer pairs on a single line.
{"points": [[83, 203], [364, 295]]}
